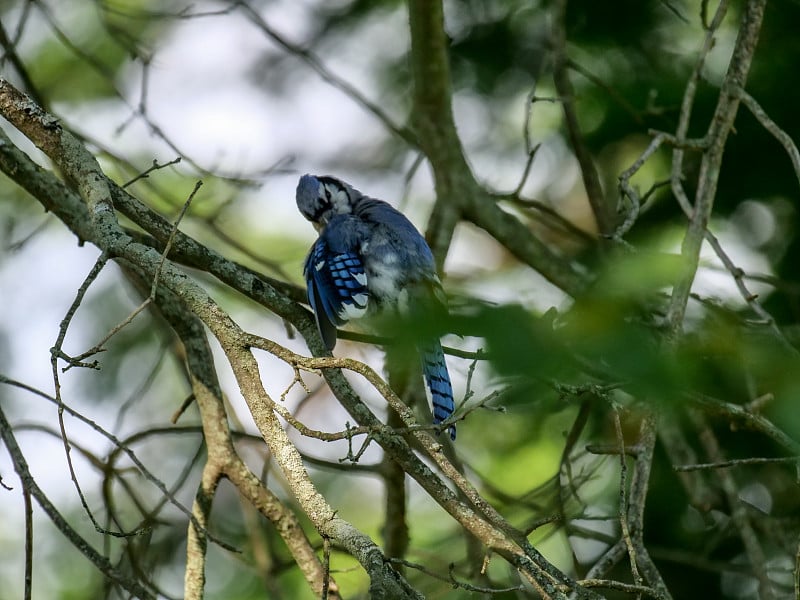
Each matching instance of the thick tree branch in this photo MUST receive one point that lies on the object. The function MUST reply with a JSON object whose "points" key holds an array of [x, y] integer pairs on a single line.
{"points": [[223, 459], [484, 522], [107, 234], [81, 168], [432, 118], [458, 193]]}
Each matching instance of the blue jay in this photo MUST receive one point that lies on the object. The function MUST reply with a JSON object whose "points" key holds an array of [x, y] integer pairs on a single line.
{"points": [[369, 258]]}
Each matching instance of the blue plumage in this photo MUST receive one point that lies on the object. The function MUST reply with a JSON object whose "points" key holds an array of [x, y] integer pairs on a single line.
{"points": [[369, 258], [337, 288], [434, 369]]}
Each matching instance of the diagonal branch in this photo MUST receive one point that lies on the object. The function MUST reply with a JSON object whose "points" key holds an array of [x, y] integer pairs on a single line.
{"points": [[105, 232], [313, 61], [458, 193], [29, 484], [784, 138], [717, 135], [740, 518], [223, 459], [603, 214]]}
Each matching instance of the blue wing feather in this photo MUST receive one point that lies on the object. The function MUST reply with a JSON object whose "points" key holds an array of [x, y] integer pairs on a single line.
{"points": [[337, 288], [437, 379]]}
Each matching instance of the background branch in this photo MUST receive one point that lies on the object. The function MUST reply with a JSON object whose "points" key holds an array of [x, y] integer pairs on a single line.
{"points": [[716, 136]]}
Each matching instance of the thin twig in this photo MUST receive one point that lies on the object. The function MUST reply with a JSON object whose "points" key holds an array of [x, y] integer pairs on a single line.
{"points": [[453, 581], [626, 191], [171, 238], [99, 347], [736, 463], [740, 519], [117, 443], [55, 354], [591, 180], [154, 167], [26, 498], [622, 587], [615, 95], [708, 179], [770, 125], [608, 560], [623, 498], [313, 61], [28, 481]]}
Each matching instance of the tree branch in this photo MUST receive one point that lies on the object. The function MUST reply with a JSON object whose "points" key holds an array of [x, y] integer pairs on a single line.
{"points": [[29, 483], [106, 233], [717, 135], [432, 119], [603, 213], [81, 168], [739, 517], [458, 193], [786, 141], [223, 459]]}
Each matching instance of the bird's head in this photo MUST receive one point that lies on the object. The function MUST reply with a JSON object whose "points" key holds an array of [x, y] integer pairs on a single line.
{"points": [[321, 197]]}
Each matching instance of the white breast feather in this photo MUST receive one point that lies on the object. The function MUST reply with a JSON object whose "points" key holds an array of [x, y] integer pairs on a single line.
{"points": [[384, 280]]}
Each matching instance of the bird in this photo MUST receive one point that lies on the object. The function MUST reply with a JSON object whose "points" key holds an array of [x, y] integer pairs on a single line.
{"points": [[369, 259]]}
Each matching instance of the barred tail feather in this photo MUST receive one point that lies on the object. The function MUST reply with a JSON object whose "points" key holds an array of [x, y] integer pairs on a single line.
{"points": [[437, 379]]}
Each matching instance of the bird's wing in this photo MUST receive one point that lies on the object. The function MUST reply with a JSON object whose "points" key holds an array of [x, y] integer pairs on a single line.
{"points": [[337, 285]]}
